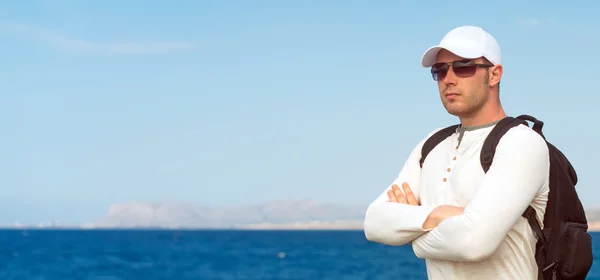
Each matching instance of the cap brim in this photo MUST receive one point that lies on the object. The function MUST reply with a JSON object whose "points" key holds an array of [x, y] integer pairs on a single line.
{"points": [[430, 56]]}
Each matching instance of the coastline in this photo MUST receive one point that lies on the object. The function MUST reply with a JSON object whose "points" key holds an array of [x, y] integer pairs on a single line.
{"points": [[311, 226]]}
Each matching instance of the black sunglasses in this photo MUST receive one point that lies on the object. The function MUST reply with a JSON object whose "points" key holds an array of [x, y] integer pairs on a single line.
{"points": [[461, 68]]}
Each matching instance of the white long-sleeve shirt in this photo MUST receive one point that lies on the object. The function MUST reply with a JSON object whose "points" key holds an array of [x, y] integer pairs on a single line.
{"points": [[490, 240]]}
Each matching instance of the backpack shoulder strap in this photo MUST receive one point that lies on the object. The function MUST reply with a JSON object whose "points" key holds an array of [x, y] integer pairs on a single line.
{"points": [[489, 145], [537, 124], [434, 140], [486, 157]]}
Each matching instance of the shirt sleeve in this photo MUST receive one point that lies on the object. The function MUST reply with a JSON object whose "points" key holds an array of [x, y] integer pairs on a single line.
{"points": [[517, 175], [394, 223]]}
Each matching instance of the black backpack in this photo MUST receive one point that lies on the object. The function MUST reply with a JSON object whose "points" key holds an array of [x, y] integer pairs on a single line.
{"points": [[564, 247]]}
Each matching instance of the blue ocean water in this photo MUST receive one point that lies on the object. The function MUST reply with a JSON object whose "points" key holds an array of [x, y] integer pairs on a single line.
{"points": [[182, 255]]}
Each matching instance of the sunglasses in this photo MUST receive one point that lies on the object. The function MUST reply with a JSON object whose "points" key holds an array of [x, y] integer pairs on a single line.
{"points": [[461, 68]]}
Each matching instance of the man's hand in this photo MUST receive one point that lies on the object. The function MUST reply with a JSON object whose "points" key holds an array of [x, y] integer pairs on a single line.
{"points": [[396, 195], [441, 213]]}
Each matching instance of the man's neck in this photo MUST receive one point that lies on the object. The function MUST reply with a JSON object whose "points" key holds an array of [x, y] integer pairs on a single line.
{"points": [[464, 128], [466, 125], [481, 123], [483, 119]]}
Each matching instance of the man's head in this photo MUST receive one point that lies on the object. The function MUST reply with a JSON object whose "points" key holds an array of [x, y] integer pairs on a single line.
{"points": [[467, 66]]}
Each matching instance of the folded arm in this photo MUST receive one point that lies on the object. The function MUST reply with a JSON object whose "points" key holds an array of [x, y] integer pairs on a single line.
{"points": [[518, 173], [393, 223]]}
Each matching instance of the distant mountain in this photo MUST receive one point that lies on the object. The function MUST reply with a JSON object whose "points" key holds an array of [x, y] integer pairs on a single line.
{"points": [[275, 214], [280, 214]]}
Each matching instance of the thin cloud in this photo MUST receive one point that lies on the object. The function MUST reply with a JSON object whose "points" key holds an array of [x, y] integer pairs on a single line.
{"points": [[68, 43], [529, 21]]}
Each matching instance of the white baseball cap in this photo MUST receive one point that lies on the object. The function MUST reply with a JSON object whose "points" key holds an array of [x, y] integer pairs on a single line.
{"points": [[469, 42]]}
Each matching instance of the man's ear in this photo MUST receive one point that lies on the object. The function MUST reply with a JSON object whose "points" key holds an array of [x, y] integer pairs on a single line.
{"points": [[495, 75]]}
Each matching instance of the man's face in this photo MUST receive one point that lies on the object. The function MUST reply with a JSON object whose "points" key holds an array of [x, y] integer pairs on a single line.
{"points": [[463, 96]]}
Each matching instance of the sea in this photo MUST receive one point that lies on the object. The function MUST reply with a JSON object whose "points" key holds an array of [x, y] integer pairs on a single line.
{"points": [[206, 254]]}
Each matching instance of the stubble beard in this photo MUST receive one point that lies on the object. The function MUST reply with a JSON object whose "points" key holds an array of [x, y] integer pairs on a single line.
{"points": [[469, 104]]}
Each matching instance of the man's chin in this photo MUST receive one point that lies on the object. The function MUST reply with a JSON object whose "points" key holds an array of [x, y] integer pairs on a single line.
{"points": [[453, 110]]}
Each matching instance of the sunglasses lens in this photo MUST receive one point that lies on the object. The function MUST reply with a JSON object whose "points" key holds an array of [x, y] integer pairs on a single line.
{"points": [[465, 70], [439, 74], [461, 69], [439, 71]]}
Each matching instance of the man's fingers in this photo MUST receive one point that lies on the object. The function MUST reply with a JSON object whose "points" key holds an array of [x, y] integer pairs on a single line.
{"points": [[410, 196], [399, 195], [391, 196]]}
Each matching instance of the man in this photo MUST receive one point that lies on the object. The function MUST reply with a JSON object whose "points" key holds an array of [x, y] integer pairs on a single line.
{"points": [[466, 223]]}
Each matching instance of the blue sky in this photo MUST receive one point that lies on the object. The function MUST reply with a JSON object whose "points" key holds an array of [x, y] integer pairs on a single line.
{"points": [[240, 102]]}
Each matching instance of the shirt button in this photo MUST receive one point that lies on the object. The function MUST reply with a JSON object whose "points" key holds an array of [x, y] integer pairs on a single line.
{"points": [[448, 169], [454, 158], [445, 179]]}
